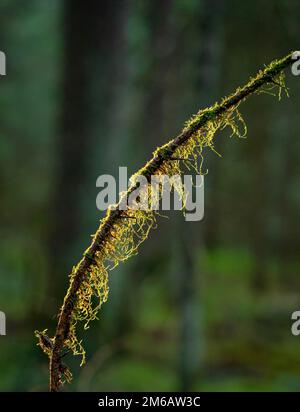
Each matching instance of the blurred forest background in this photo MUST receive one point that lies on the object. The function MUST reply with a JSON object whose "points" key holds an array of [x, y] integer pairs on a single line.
{"points": [[95, 85]]}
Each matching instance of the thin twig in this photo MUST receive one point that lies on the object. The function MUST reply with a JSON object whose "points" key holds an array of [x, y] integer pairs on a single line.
{"points": [[160, 156]]}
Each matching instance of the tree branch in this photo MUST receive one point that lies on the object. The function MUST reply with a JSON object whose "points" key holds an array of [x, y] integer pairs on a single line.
{"points": [[160, 156]]}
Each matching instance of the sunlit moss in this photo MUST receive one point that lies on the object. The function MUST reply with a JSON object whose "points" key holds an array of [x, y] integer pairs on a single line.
{"points": [[133, 228], [122, 231]]}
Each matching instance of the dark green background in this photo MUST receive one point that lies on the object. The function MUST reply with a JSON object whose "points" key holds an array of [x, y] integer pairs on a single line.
{"points": [[95, 85]]}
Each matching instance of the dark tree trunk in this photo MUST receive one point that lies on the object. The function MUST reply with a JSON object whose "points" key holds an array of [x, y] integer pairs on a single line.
{"points": [[91, 34]]}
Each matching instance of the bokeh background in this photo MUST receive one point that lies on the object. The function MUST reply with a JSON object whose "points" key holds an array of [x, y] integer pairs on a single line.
{"points": [[95, 85]]}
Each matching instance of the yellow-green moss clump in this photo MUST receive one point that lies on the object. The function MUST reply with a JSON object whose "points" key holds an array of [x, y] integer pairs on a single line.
{"points": [[122, 231]]}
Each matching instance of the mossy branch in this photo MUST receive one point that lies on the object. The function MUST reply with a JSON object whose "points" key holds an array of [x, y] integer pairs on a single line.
{"points": [[121, 231]]}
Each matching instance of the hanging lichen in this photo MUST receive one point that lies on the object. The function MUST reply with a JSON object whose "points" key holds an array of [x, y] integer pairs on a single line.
{"points": [[122, 231]]}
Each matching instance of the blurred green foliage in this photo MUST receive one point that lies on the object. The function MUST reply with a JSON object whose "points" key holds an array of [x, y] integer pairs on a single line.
{"points": [[205, 305]]}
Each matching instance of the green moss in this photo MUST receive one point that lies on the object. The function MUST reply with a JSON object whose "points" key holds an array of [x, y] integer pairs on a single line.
{"points": [[118, 239]]}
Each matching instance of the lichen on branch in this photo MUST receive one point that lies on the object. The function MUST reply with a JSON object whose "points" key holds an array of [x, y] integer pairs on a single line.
{"points": [[122, 231]]}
